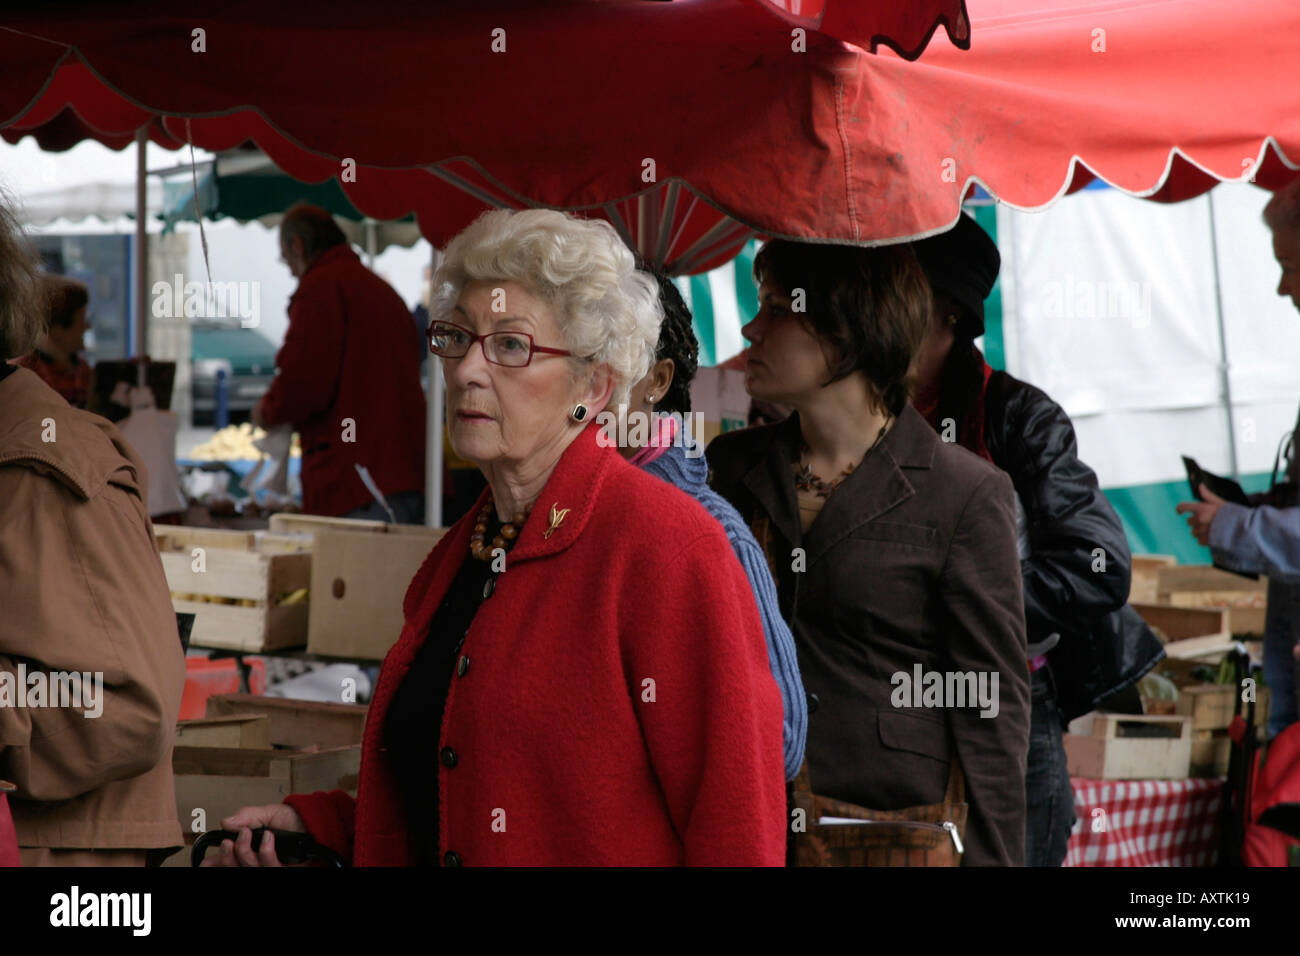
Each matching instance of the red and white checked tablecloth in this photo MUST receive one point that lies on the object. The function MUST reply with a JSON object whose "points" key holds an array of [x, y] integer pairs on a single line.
{"points": [[1145, 822]]}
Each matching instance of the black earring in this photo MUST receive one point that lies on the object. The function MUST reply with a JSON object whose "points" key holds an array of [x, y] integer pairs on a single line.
{"points": [[579, 413]]}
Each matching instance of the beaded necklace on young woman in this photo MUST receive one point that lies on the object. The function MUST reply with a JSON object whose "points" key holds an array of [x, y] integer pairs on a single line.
{"points": [[806, 480]]}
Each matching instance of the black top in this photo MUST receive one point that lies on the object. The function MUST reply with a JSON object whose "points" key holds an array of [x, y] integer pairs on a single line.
{"points": [[5, 370], [413, 725], [1105, 646]]}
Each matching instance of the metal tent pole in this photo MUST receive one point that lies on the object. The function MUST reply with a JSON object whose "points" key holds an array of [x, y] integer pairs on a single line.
{"points": [[1224, 378], [371, 243], [141, 246], [433, 437]]}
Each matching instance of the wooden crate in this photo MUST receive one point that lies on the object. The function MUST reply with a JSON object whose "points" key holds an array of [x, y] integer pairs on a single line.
{"points": [[214, 782], [1162, 708], [286, 523], [360, 573], [1102, 747], [1210, 705], [1202, 585], [236, 730], [236, 596], [1211, 750], [1189, 633], [305, 770], [263, 542], [297, 723], [1144, 583], [1186, 673]]}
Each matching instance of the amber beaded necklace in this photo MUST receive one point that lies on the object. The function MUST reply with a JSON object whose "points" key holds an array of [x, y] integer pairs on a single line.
{"points": [[806, 480], [503, 540]]}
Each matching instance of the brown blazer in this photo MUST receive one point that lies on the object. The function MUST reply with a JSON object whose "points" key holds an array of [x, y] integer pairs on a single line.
{"points": [[82, 589], [912, 561]]}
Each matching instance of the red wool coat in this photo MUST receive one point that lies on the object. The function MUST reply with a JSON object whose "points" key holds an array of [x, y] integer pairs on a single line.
{"points": [[8, 837], [617, 709], [351, 352]]}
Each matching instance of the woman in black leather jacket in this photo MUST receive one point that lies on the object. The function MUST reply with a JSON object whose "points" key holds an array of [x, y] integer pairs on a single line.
{"points": [[1085, 642]]}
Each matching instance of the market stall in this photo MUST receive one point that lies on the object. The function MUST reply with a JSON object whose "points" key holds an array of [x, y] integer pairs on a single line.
{"points": [[683, 188], [1149, 788], [873, 147], [1145, 822], [850, 146]]}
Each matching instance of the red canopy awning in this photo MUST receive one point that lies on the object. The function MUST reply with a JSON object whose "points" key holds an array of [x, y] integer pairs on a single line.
{"points": [[1162, 99], [648, 114], [905, 28], [688, 123], [661, 117]]}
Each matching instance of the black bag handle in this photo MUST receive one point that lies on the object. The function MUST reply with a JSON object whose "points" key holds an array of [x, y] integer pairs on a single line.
{"points": [[291, 847]]}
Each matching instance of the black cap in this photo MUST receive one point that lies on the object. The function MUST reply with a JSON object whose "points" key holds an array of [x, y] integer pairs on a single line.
{"points": [[963, 264]]}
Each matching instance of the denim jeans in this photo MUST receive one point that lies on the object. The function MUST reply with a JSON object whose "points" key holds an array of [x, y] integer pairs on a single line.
{"points": [[1049, 798], [408, 508], [1279, 661]]}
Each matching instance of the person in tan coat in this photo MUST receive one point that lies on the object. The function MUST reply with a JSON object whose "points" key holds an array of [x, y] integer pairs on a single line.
{"points": [[82, 591]]}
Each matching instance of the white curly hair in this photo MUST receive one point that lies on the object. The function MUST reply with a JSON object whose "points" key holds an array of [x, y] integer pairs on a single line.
{"points": [[607, 309]]}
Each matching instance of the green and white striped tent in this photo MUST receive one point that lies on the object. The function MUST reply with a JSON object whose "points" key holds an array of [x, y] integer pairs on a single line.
{"points": [[1157, 327], [721, 301]]}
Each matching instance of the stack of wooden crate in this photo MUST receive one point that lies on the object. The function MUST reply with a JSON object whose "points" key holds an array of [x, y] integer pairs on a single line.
{"points": [[333, 585], [1190, 633], [1198, 585], [1144, 584], [246, 589], [1199, 612], [253, 750], [1157, 579], [360, 571], [1210, 709], [1128, 747]]}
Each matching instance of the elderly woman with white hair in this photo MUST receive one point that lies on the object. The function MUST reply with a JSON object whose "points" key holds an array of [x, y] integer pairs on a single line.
{"points": [[583, 677]]}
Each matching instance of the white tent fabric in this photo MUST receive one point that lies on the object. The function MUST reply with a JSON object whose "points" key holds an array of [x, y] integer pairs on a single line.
{"points": [[109, 201], [105, 201], [1112, 306]]}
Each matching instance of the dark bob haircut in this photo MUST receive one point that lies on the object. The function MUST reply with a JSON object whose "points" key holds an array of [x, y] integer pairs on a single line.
{"points": [[869, 308]]}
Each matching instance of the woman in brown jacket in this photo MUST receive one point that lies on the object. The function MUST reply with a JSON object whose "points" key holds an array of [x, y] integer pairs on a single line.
{"points": [[894, 552], [91, 666]]}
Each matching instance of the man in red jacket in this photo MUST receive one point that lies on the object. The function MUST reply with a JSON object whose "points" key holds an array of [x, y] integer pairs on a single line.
{"points": [[349, 378]]}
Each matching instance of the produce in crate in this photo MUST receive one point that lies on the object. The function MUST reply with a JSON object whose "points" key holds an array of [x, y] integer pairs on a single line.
{"points": [[1159, 695], [235, 443], [247, 590]]}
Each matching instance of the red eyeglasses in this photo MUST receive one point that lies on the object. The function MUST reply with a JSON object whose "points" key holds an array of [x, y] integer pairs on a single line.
{"points": [[511, 349]]}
